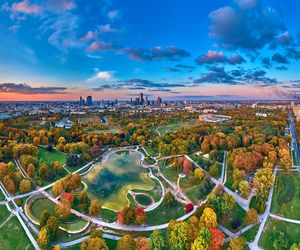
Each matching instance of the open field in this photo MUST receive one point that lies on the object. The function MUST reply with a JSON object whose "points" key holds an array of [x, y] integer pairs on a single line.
{"points": [[175, 126], [13, 236], [291, 230], [251, 233], [112, 130], [151, 151], [286, 198], [164, 214], [50, 157], [233, 218]]}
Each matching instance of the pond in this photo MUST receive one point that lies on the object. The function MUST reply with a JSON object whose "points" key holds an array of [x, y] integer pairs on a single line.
{"points": [[111, 181]]}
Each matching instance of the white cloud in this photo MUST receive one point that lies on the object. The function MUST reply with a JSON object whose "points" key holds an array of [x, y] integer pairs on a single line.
{"points": [[102, 75]]}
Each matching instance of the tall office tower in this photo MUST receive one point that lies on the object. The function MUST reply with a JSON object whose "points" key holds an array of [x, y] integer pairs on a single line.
{"points": [[147, 100], [80, 101], [159, 101], [141, 99], [131, 100], [89, 101]]}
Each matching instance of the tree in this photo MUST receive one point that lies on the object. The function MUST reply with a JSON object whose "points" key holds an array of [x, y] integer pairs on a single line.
{"points": [[57, 167], [44, 216], [44, 171], [126, 215], [244, 188], [94, 244], [140, 216], [9, 184], [43, 238], [52, 226], [295, 246], [58, 188], [178, 238], [214, 170], [142, 243], [263, 181], [198, 174], [187, 166], [169, 199], [126, 243], [68, 197], [279, 240], [94, 208], [36, 141], [156, 240], [202, 242], [216, 239], [30, 170], [189, 208], [25, 186], [57, 247], [238, 243], [63, 210], [251, 217], [209, 218], [193, 224]]}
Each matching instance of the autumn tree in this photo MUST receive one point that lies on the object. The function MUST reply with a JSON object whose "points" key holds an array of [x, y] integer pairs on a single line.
{"points": [[178, 238], [43, 238], [63, 210], [238, 243], [44, 216], [244, 188], [202, 242], [208, 218], [126, 243], [169, 199], [30, 170], [251, 217], [198, 174], [142, 243], [94, 244], [94, 208], [263, 181], [25, 186], [156, 240], [140, 216], [216, 239]]}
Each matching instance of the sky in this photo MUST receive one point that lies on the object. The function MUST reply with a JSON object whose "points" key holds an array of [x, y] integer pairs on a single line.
{"points": [[176, 49]]}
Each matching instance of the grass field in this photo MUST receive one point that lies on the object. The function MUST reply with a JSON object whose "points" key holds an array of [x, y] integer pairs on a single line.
{"points": [[251, 233], [229, 180], [112, 130], [292, 231], [50, 157], [151, 151], [13, 236], [286, 198], [40, 205], [1, 196], [175, 126], [236, 214], [164, 214], [4, 213]]}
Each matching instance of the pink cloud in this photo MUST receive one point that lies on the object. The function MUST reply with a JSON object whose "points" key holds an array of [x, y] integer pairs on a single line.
{"points": [[61, 5], [26, 8], [89, 36], [100, 46]]}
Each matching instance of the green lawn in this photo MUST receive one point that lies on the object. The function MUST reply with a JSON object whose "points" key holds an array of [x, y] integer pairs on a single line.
{"points": [[229, 180], [112, 130], [251, 233], [13, 236], [294, 158], [40, 205], [292, 231], [1, 196], [164, 129], [108, 215], [236, 214], [164, 214], [286, 198], [50, 157], [4, 213], [151, 151]]}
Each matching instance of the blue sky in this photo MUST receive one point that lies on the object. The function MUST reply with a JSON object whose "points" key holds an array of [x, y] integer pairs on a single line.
{"points": [[59, 49]]}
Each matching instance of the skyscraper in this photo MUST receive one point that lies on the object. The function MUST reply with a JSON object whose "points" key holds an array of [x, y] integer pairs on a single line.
{"points": [[89, 101], [141, 99], [159, 101], [81, 101]]}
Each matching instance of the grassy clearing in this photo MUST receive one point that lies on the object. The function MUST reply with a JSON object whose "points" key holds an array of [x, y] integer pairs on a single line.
{"points": [[108, 215], [2, 197], [292, 231], [170, 128], [13, 236], [164, 214], [251, 233], [50, 157], [294, 158], [229, 180], [235, 216], [151, 151], [4, 213], [286, 198], [40, 205], [112, 130]]}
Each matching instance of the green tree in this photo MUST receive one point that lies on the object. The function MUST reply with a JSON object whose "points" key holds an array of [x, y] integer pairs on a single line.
{"points": [[157, 241]]}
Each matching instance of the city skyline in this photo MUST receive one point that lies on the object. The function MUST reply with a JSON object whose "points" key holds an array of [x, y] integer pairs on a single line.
{"points": [[189, 50]]}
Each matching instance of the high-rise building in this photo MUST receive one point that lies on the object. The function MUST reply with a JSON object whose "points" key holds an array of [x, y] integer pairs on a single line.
{"points": [[141, 99], [159, 101], [89, 101], [147, 103], [81, 101]]}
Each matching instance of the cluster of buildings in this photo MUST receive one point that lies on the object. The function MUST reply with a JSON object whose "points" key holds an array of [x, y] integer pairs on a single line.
{"points": [[87, 102], [141, 101]]}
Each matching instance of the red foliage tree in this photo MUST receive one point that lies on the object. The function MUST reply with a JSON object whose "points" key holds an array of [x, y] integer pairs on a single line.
{"points": [[216, 239], [120, 217], [140, 216], [187, 166], [68, 197], [189, 208]]}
